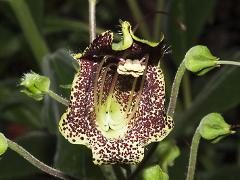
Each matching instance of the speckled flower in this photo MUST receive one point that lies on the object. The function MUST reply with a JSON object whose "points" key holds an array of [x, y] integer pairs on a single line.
{"points": [[117, 99]]}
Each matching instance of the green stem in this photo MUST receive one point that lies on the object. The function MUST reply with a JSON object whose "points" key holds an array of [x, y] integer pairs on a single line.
{"points": [[138, 16], [175, 89], [157, 21], [58, 98], [29, 28], [235, 63], [193, 155], [34, 161], [92, 19]]}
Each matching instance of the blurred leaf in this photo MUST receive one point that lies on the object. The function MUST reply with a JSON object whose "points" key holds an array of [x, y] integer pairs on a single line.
{"points": [[56, 24], [10, 42], [76, 160], [178, 171], [167, 151], [16, 107], [38, 144], [154, 173], [219, 94], [37, 10], [58, 67], [227, 172], [29, 28], [194, 15]]}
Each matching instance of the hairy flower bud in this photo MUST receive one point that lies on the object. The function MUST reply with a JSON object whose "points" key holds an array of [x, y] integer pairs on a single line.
{"points": [[35, 85]]}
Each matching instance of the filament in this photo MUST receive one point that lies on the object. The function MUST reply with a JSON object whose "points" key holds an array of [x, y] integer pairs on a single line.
{"points": [[140, 92], [102, 84], [131, 97], [96, 81]]}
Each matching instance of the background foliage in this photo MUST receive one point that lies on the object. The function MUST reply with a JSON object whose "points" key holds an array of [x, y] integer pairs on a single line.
{"points": [[38, 35]]}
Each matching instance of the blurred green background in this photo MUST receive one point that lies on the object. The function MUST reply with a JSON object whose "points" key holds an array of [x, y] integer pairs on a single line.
{"points": [[39, 35]]}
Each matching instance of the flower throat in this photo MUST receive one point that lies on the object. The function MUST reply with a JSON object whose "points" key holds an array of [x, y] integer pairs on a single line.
{"points": [[112, 117]]}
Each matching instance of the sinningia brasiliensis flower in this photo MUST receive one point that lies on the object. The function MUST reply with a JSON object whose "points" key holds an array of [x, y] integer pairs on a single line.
{"points": [[117, 100]]}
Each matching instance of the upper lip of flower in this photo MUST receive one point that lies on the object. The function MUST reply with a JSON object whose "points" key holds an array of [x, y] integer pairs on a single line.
{"points": [[117, 114], [130, 46]]}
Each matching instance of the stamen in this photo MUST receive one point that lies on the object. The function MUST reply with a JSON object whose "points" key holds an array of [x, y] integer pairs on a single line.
{"points": [[113, 83], [102, 83], [140, 91], [96, 81], [131, 97]]}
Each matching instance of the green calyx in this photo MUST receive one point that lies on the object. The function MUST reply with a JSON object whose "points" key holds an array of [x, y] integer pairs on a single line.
{"points": [[199, 60], [154, 173], [126, 41], [3, 144], [35, 85], [213, 127], [128, 38], [110, 119]]}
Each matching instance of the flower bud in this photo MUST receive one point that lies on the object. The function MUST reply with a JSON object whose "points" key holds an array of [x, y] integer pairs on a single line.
{"points": [[154, 173], [35, 85], [3, 144], [199, 60], [213, 127]]}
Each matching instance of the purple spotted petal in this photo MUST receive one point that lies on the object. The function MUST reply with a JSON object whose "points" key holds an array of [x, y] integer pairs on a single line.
{"points": [[148, 123]]}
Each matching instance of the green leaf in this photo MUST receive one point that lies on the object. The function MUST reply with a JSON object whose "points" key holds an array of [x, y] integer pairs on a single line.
{"points": [[194, 14], [76, 160], [38, 144]]}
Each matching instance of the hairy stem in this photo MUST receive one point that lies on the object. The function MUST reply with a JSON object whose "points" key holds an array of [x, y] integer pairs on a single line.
{"points": [[58, 98], [34, 161], [92, 19], [175, 89], [187, 99], [29, 28], [235, 63], [193, 155]]}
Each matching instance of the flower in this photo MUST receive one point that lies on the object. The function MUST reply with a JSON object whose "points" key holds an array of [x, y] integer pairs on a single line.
{"points": [[117, 99]]}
